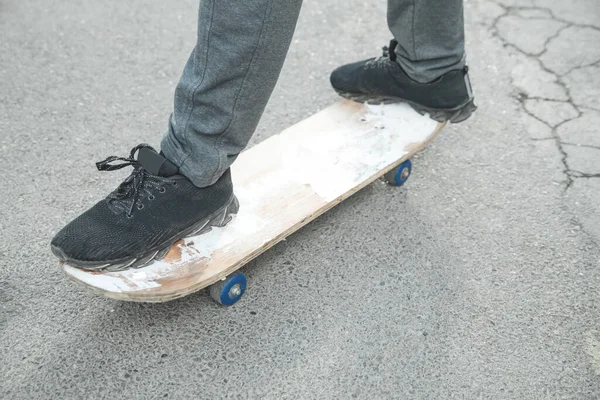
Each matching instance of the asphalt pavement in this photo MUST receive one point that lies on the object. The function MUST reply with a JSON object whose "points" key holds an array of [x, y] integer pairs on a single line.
{"points": [[477, 280]]}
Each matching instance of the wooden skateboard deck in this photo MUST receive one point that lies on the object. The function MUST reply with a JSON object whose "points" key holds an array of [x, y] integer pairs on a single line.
{"points": [[282, 184]]}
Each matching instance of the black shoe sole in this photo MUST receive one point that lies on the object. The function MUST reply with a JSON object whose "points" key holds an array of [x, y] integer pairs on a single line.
{"points": [[219, 218], [454, 115]]}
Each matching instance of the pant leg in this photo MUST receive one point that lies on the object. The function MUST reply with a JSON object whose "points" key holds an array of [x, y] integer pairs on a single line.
{"points": [[226, 83], [430, 35]]}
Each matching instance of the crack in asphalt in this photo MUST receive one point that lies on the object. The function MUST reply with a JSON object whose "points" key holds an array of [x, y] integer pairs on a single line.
{"points": [[570, 174], [581, 145]]}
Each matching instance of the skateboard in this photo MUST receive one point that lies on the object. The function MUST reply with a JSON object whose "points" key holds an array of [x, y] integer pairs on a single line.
{"points": [[281, 184]]}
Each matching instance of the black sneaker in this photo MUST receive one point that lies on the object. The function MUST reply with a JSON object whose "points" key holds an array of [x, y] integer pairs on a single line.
{"points": [[382, 80], [138, 222]]}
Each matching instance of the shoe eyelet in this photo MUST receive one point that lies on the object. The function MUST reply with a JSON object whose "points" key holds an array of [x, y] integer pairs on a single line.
{"points": [[174, 183], [162, 189], [151, 197], [140, 206], [129, 216]]}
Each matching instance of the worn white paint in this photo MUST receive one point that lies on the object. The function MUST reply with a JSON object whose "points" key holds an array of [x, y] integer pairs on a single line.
{"points": [[281, 184], [107, 282], [337, 161]]}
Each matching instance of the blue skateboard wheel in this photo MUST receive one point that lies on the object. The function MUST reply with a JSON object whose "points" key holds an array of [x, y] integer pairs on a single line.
{"points": [[229, 290]]}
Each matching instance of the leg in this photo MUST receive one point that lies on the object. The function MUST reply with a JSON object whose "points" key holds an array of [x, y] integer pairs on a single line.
{"points": [[222, 93], [430, 35], [423, 66], [226, 83]]}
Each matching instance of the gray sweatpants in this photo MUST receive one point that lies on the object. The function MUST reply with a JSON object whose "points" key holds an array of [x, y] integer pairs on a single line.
{"points": [[240, 49]]}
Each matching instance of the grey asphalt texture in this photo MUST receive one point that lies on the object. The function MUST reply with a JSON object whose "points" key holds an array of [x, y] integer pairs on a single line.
{"points": [[477, 280]]}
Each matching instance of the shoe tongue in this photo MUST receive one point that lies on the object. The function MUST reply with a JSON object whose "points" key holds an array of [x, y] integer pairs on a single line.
{"points": [[156, 163]]}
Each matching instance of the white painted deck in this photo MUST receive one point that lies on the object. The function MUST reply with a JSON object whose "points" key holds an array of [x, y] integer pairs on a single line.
{"points": [[282, 184]]}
